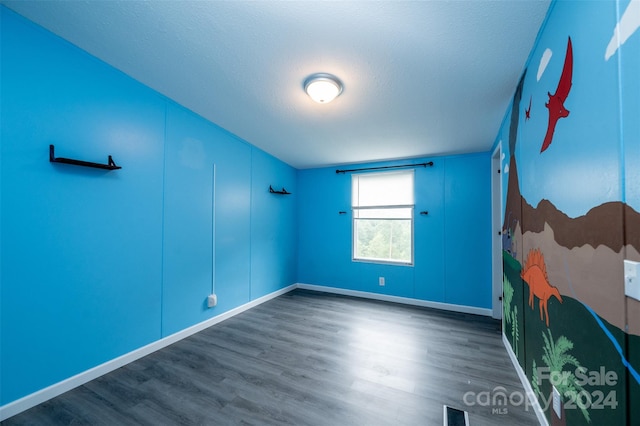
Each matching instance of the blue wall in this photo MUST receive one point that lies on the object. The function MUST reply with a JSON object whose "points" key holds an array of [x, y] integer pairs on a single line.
{"points": [[95, 264], [578, 203], [452, 243], [274, 225]]}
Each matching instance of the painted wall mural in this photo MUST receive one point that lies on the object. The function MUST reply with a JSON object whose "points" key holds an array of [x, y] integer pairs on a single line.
{"points": [[534, 274], [556, 101], [571, 214]]}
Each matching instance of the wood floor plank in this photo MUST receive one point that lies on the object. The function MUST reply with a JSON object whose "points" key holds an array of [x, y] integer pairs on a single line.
{"points": [[306, 358]]}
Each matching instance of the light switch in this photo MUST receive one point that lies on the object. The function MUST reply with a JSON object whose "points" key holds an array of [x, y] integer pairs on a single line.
{"points": [[632, 279]]}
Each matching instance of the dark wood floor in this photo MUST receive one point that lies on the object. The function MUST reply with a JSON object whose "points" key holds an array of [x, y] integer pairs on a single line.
{"points": [[306, 358]]}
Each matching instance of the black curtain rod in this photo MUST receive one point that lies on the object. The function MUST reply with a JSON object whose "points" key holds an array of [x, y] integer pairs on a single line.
{"points": [[430, 163]]}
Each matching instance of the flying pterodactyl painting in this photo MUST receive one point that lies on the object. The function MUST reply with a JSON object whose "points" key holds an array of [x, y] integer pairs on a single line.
{"points": [[527, 112], [556, 101]]}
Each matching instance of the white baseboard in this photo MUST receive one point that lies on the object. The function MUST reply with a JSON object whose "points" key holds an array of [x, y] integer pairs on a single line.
{"points": [[533, 400], [397, 299], [26, 402]]}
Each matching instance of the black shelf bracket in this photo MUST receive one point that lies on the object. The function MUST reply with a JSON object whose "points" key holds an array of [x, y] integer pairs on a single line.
{"points": [[283, 192], [111, 165]]}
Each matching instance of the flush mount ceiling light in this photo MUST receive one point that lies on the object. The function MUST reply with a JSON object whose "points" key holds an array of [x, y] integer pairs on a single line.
{"points": [[322, 88]]}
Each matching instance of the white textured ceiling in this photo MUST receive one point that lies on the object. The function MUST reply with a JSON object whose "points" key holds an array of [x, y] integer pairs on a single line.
{"points": [[420, 78]]}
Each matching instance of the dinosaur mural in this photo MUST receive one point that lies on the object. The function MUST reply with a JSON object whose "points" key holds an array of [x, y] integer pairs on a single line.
{"points": [[556, 101], [572, 216], [534, 274]]}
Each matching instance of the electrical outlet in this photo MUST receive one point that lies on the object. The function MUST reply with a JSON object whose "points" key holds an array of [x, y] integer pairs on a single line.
{"points": [[381, 281], [212, 300]]}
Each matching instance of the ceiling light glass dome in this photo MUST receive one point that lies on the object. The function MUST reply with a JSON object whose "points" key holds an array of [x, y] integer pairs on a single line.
{"points": [[322, 88]]}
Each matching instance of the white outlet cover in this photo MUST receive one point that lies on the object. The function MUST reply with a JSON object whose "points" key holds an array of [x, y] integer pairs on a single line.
{"points": [[632, 279], [212, 300], [557, 402]]}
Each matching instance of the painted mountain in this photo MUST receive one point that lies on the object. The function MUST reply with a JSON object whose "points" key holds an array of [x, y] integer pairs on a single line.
{"points": [[564, 291]]}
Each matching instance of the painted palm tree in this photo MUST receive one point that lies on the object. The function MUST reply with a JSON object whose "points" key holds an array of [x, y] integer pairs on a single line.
{"points": [[562, 365], [510, 315]]}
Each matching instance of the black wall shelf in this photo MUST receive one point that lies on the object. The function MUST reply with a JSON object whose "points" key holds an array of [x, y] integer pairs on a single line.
{"points": [[283, 192], [111, 165]]}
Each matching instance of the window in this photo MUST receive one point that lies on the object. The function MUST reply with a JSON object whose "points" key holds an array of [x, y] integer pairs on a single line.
{"points": [[382, 206]]}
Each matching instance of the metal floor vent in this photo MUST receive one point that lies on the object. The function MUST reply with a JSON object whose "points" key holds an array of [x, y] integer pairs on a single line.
{"points": [[455, 417]]}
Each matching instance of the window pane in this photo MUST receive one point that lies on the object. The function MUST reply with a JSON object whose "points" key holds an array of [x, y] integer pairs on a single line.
{"points": [[390, 213], [383, 239], [382, 189]]}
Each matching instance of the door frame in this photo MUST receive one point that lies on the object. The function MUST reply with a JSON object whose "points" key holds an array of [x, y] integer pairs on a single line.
{"points": [[496, 232]]}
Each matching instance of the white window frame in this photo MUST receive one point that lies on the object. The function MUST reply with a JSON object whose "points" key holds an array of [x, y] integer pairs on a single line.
{"points": [[354, 215]]}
